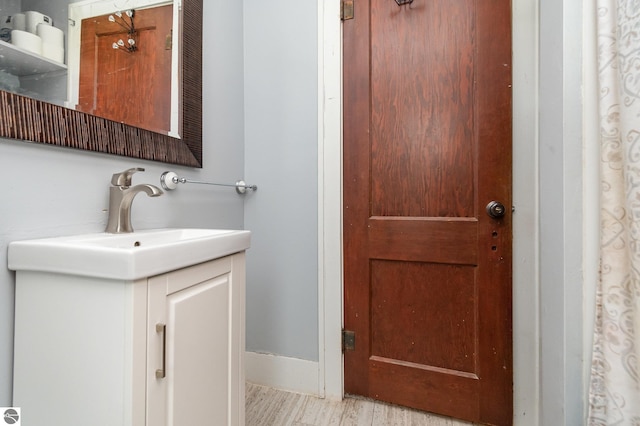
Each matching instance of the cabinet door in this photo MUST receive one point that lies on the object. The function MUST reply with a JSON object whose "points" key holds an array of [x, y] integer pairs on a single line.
{"points": [[194, 337]]}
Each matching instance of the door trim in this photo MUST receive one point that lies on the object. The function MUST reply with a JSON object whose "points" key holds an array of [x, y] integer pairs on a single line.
{"points": [[330, 200], [525, 221]]}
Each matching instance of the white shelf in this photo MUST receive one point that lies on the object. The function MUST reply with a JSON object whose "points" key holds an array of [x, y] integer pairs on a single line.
{"points": [[20, 62]]}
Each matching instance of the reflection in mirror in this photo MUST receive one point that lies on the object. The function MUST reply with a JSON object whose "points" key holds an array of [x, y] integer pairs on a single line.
{"points": [[137, 86], [25, 67], [105, 107], [139, 89]]}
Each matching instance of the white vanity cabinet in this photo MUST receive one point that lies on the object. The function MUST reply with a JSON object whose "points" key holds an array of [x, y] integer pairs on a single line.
{"points": [[163, 350]]}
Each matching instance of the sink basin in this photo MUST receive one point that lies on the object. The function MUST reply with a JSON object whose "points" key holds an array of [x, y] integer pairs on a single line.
{"points": [[126, 256]]}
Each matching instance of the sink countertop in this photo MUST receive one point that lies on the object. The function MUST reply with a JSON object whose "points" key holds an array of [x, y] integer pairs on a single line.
{"points": [[131, 256]]}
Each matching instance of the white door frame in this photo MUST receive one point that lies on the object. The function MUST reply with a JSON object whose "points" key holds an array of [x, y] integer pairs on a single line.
{"points": [[330, 378], [525, 223]]}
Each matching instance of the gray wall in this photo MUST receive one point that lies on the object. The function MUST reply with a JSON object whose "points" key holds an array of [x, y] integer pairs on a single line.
{"points": [[49, 191], [563, 392], [281, 98], [9, 7]]}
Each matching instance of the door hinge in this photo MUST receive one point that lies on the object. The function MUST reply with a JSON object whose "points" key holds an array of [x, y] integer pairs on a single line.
{"points": [[346, 10], [348, 340], [168, 42]]}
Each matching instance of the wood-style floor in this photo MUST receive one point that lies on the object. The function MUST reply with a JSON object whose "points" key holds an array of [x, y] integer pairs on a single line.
{"points": [[271, 407]]}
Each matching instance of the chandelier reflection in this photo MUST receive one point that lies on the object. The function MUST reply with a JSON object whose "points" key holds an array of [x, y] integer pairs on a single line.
{"points": [[130, 44]]}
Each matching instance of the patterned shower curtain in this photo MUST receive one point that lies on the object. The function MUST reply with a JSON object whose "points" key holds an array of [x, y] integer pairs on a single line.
{"points": [[614, 397]]}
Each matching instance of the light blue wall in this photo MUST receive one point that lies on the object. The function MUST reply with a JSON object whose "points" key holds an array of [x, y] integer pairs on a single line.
{"points": [[281, 132], [562, 227], [51, 191]]}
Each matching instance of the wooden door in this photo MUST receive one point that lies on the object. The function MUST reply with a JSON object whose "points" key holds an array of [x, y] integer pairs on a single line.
{"points": [[427, 146], [129, 87]]}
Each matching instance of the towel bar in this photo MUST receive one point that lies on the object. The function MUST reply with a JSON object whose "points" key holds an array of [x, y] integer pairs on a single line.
{"points": [[170, 181]]}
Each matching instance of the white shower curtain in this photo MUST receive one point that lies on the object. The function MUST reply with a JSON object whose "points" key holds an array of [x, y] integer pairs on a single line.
{"points": [[614, 397]]}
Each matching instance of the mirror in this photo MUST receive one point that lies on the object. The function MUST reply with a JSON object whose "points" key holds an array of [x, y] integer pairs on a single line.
{"points": [[29, 119]]}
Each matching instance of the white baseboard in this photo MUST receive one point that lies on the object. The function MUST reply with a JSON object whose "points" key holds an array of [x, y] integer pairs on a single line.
{"points": [[280, 372]]}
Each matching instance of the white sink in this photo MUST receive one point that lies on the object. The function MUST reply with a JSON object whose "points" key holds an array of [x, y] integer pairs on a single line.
{"points": [[126, 256]]}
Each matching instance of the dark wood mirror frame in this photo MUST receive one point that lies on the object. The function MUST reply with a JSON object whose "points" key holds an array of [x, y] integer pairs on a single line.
{"points": [[41, 122]]}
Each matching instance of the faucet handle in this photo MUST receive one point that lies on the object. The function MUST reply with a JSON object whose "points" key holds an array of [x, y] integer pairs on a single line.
{"points": [[124, 178]]}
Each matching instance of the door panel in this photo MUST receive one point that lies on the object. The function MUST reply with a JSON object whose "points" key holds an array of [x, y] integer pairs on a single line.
{"points": [[201, 346], [199, 330], [447, 241], [440, 307], [427, 145], [430, 146]]}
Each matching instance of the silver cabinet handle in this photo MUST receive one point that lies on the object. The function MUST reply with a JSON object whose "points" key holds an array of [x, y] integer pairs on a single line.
{"points": [[162, 328]]}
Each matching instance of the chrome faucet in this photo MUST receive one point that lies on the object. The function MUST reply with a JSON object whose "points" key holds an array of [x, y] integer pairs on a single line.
{"points": [[121, 195]]}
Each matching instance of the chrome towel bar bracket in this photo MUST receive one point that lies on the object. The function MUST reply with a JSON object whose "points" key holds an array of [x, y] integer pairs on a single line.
{"points": [[170, 181]]}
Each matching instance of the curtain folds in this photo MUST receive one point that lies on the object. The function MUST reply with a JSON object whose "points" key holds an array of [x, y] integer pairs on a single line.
{"points": [[614, 396]]}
